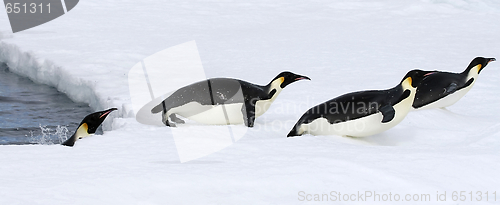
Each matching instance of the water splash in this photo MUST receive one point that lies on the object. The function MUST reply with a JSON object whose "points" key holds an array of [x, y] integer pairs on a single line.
{"points": [[49, 136]]}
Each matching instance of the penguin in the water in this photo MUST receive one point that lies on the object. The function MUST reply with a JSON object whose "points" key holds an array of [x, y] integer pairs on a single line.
{"points": [[362, 113], [222, 101], [88, 126], [443, 89]]}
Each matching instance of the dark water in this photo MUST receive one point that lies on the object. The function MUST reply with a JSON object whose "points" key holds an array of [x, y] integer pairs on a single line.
{"points": [[31, 113]]}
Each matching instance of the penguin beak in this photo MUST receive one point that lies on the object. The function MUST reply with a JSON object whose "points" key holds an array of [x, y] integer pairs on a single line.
{"points": [[106, 113], [491, 60], [302, 78]]}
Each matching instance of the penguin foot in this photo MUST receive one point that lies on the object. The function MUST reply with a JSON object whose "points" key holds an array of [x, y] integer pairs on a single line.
{"points": [[168, 124], [176, 119], [164, 119]]}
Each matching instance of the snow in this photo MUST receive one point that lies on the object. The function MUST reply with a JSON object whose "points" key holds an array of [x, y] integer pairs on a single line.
{"points": [[343, 46]]}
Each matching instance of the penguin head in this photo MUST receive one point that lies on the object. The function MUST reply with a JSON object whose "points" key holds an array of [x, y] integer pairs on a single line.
{"points": [[95, 119], [413, 78], [479, 63], [286, 78]]}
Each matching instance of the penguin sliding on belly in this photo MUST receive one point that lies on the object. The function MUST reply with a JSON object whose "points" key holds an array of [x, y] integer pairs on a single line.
{"points": [[362, 113], [223, 101], [443, 89], [88, 126]]}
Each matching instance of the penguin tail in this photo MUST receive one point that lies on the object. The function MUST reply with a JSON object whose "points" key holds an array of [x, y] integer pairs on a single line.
{"points": [[294, 132], [70, 142], [296, 128], [158, 108]]}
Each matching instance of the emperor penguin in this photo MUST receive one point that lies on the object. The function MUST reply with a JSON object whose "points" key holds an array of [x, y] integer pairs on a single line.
{"points": [[361, 113], [443, 89], [88, 126], [223, 101]]}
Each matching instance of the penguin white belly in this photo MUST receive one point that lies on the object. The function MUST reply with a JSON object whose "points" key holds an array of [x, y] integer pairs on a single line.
{"points": [[210, 114], [262, 106], [215, 115], [361, 127], [449, 99]]}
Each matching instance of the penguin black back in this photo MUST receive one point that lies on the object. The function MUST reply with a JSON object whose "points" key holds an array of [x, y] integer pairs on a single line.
{"points": [[215, 91]]}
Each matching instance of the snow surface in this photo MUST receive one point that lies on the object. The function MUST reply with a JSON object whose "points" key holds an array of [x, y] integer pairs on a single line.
{"points": [[343, 46]]}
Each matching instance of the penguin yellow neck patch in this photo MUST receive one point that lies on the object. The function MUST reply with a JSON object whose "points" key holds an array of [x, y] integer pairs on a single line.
{"points": [[82, 131], [406, 84], [276, 83]]}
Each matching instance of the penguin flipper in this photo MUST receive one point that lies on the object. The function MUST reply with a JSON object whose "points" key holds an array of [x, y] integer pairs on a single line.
{"points": [[248, 110], [451, 88], [164, 119], [388, 112], [158, 108], [294, 132]]}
